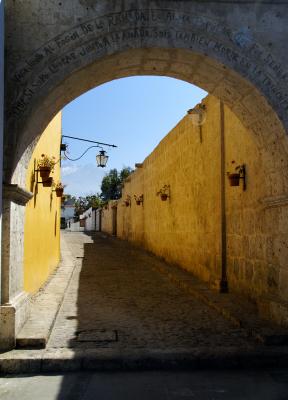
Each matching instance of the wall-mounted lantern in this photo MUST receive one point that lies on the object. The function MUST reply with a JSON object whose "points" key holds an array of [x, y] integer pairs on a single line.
{"points": [[102, 159], [234, 177], [127, 201], [164, 193], [139, 199], [197, 114]]}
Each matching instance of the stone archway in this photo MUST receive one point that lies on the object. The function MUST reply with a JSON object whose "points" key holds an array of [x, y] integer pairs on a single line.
{"points": [[234, 52]]}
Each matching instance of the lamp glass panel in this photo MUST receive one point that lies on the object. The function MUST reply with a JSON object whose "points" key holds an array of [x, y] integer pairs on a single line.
{"points": [[101, 159]]}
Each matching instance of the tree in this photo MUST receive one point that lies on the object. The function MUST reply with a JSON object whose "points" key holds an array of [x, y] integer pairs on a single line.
{"points": [[94, 200], [83, 203], [124, 173], [111, 187]]}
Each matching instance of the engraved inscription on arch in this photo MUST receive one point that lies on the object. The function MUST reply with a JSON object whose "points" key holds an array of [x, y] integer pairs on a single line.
{"points": [[138, 28]]}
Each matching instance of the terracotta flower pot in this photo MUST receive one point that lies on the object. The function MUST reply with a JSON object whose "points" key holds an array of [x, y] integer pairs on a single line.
{"points": [[164, 196], [48, 182], [44, 172], [59, 192], [234, 179]]}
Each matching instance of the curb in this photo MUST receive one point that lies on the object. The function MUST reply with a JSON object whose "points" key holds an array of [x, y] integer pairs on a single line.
{"points": [[255, 327], [29, 337], [93, 360]]}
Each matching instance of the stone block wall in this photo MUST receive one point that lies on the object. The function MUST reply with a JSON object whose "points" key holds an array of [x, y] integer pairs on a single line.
{"points": [[107, 218], [186, 229]]}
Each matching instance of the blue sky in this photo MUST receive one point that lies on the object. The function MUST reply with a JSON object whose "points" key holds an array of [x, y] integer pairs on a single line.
{"points": [[133, 113]]}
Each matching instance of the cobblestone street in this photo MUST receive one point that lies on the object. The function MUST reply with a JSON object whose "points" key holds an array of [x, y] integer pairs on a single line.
{"points": [[111, 306], [118, 299]]}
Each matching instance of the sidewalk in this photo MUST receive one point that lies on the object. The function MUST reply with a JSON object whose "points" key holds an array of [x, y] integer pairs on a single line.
{"points": [[113, 306]]}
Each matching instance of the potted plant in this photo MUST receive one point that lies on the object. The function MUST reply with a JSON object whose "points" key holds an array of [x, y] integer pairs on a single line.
{"points": [[164, 193], [45, 165], [47, 182], [59, 189], [139, 199], [127, 201], [234, 179]]}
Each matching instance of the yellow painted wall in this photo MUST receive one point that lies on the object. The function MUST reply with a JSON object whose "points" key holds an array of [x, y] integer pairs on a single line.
{"points": [[106, 223], [108, 216], [186, 229], [42, 218]]}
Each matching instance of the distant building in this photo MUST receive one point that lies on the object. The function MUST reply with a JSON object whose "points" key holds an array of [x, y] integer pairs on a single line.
{"points": [[67, 211], [90, 220]]}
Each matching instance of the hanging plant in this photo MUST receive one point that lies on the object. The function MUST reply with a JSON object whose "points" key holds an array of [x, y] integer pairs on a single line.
{"points": [[47, 182], [45, 166], [234, 179], [139, 199], [164, 193], [127, 201], [59, 189]]}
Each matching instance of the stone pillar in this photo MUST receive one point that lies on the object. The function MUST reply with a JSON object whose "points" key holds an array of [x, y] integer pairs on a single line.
{"points": [[14, 305], [1, 109], [14, 309]]}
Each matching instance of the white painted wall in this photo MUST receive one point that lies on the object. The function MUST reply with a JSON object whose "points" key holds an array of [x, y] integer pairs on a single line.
{"points": [[74, 226], [89, 216]]}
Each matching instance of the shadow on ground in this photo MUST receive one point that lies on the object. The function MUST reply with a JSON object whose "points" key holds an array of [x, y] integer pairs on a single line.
{"points": [[120, 309]]}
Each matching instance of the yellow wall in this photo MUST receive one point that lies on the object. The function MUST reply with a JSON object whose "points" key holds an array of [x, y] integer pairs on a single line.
{"points": [[107, 219], [186, 230], [108, 216], [42, 219]]}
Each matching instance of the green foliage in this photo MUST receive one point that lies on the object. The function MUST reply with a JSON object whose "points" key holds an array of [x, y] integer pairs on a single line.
{"points": [[83, 203], [111, 187]]}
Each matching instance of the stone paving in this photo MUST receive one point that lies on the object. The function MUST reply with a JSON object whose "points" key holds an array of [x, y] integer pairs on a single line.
{"points": [[117, 299], [45, 304], [117, 307]]}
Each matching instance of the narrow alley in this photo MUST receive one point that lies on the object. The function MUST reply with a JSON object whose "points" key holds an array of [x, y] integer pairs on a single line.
{"points": [[118, 299], [111, 306]]}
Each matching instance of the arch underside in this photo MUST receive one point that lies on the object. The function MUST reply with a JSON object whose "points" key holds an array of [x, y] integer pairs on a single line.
{"points": [[236, 92], [64, 52], [202, 45]]}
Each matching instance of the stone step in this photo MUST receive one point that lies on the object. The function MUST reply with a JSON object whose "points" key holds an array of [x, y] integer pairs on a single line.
{"points": [[63, 360], [28, 342]]}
